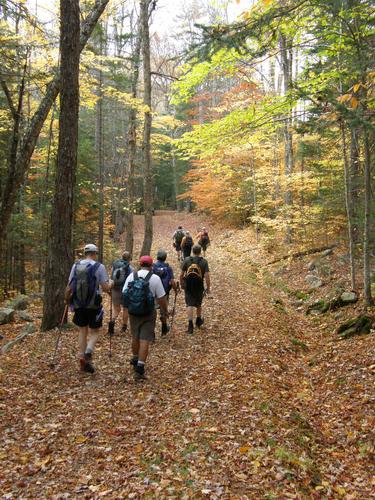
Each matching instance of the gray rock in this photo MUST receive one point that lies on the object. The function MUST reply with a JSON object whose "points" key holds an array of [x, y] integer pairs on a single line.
{"points": [[349, 297], [327, 252], [24, 316], [20, 303], [312, 265], [313, 281], [30, 328], [6, 315]]}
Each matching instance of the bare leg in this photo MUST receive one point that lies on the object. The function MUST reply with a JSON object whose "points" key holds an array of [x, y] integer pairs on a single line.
{"points": [[125, 316], [115, 311], [82, 340], [92, 339], [135, 347], [199, 311], [143, 350], [190, 313]]}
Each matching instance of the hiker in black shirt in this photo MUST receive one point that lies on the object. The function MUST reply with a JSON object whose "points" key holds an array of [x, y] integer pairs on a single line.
{"points": [[194, 273]]}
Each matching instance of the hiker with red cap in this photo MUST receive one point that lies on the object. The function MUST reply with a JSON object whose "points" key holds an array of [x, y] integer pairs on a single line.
{"points": [[139, 293]]}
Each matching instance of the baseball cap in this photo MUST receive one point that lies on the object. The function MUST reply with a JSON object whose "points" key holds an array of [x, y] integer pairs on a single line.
{"points": [[90, 248], [146, 260]]}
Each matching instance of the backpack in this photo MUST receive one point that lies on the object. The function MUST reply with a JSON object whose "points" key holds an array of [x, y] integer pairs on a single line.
{"points": [[120, 271], [205, 238], [194, 277], [179, 236], [84, 285], [137, 297], [188, 241], [161, 270]]}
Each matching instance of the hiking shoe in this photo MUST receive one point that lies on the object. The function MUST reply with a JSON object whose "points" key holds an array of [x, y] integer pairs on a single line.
{"points": [[164, 329], [134, 362], [139, 377], [88, 363], [199, 321], [190, 328], [82, 364], [124, 328]]}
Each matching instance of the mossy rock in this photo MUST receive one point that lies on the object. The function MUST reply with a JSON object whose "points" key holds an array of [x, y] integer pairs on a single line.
{"points": [[356, 326]]}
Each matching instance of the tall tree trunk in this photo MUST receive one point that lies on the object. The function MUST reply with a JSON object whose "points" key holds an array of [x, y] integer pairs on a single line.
{"points": [[60, 256], [349, 206], [354, 181], [146, 146], [132, 147], [100, 155], [286, 67], [16, 174], [367, 220]]}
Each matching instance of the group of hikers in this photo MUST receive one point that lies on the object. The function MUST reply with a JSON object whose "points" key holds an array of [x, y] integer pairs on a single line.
{"points": [[136, 295]]}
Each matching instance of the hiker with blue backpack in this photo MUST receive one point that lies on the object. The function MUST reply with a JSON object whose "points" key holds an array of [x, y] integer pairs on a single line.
{"points": [[194, 274], [162, 269], [121, 268], [87, 277], [142, 288]]}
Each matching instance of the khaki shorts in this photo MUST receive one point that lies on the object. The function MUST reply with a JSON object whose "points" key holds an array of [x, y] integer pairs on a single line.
{"points": [[117, 296], [143, 327]]}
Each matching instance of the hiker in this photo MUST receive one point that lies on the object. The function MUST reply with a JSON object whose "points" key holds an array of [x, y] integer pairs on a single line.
{"points": [[194, 272], [186, 244], [203, 239], [177, 239], [121, 269], [139, 293], [83, 293], [162, 269]]}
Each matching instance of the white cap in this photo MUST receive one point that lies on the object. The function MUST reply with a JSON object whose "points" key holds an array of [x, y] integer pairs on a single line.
{"points": [[91, 248]]}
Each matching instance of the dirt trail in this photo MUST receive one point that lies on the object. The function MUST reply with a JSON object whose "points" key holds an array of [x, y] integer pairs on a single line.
{"points": [[225, 413]]}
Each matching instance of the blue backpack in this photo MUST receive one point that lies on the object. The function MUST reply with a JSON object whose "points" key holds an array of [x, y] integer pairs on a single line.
{"points": [[161, 270], [84, 286], [137, 297]]}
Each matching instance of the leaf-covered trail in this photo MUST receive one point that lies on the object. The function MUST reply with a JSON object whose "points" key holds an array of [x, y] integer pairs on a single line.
{"points": [[225, 413]]}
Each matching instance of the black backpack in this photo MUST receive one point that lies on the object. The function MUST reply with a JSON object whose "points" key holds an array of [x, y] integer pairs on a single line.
{"points": [[188, 241], [179, 236], [194, 276], [120, 271]]}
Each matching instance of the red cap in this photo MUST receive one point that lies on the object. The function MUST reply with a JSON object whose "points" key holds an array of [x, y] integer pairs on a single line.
{"points": [[146, 260]]}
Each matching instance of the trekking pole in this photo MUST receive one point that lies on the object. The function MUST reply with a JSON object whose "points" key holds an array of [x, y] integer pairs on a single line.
{"points": [[173, 312], [52, 362], [111, 328]]}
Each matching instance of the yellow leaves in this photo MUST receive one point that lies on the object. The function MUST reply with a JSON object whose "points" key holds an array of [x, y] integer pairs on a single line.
{"points": [[351, 100], [81, 439], [243, 449]]}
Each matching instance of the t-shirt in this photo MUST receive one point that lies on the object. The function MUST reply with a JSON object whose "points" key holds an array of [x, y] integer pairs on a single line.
{"points": [[101, 272], [202, 263], [156, 286]]}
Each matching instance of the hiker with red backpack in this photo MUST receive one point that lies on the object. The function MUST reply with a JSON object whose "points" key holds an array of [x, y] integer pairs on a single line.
{"points": [[177, 237], [194, 274], [86, 278], [203, 239], [162, 269], [121, 269], [142, 288], [187, 244]]}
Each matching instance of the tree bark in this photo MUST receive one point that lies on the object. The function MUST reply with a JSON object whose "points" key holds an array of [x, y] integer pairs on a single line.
{"points": [[16, 177], [132, 148], [60, 255], [100, 154], [146, 146], [367, 221]]}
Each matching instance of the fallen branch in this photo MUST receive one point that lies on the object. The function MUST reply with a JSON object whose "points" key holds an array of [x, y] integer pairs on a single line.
{"points": [[27, 331], [301, 254]]}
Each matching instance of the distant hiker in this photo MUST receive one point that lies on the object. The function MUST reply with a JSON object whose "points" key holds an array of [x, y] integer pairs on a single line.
{"points": [[121, 269], [194, 272], [203, 239], [177, 239], [187, 244], [83, 293], [162, 269], [139, 293]]}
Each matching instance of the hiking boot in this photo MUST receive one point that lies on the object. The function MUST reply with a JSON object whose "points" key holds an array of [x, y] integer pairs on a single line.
{"points": [[190, 328], [139, 373], [134, 362], [199, 321], [164, 329], [124, 328], [88, 363], [82, 364]]}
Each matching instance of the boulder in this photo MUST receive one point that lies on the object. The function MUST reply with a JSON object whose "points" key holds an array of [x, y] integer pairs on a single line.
{"points": [[6, 315], [313, 281], [20, 303], [349, 297], [24, 316], [355, 326]]}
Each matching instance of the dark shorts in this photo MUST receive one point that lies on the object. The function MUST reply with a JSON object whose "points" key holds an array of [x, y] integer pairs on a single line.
{"points": [[203, 244], [177, 247], [187, 252], [193, 299], [143, 327], [117, 296], [93, 318]]}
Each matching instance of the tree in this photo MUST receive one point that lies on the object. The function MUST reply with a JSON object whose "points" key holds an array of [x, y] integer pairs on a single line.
{"points": [[146, 144]]}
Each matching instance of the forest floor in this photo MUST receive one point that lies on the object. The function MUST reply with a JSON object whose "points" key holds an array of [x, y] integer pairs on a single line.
{"points": [[262, 402]]}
